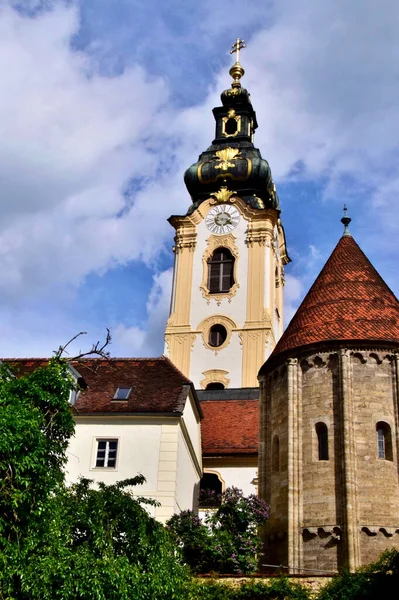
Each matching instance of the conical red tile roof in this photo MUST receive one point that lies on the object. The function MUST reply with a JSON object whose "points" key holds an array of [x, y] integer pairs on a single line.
{"points": [[349, 301]]}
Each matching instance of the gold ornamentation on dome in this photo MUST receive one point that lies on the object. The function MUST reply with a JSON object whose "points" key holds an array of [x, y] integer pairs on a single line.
{"points": [[223, 195], [226, 155], [231, 115], [259, 202]]}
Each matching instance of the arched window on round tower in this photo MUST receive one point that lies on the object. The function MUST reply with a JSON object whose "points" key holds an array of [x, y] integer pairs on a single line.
{"points": [[275, 454], [322, 440], [220, 271], [384, 441]]}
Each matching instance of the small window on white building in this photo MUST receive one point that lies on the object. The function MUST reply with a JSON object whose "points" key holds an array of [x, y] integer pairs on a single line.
{"points": [[106, 453], [122, 393]]}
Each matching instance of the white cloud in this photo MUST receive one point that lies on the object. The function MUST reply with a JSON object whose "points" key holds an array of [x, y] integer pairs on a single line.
{"points": [[147, 339], [293, 291], [309, 264], [323, 79], [71, 139]]}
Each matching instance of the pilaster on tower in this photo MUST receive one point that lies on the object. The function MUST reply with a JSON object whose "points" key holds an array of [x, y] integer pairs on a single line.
{"points": [[227, 297]]}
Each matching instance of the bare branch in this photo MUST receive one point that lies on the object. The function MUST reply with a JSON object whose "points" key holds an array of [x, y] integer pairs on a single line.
{"points": [[63, 349], [97, 349]]}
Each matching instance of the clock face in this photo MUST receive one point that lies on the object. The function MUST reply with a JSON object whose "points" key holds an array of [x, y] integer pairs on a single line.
{"points": [[222, 219]]}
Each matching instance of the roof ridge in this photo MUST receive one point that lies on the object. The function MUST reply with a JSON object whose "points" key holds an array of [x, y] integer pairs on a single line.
{"points": [[166, 358]]}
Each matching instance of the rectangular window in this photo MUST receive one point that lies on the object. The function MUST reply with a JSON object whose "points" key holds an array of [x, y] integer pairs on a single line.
{"points": [[106, 453]]}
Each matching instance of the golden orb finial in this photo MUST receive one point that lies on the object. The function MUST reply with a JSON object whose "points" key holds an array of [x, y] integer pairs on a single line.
{"points": [[236, 70]]}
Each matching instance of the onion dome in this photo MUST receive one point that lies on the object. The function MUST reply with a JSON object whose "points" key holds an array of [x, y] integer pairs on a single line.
{"points": [[232, 164], [348, 303]]}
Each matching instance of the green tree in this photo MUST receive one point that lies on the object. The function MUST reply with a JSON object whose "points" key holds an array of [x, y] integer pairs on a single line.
{"points": [[103, 545], [35, 425], [227, 541], [71, 543]]}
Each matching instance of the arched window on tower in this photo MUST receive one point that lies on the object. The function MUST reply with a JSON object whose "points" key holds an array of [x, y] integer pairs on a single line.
{"points": [[322, 440], [276, 454], [217, 335], [215, 385], [384, 441], [220, 271]]}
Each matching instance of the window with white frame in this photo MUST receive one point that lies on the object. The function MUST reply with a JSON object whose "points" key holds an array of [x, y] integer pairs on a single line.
{"points": [[106, 453]]}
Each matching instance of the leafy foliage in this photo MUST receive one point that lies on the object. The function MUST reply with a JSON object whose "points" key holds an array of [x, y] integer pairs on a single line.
{"points": [[227, 541], [35, 426], [378, 580], [70, 543], [103, 545], [209, 498]]}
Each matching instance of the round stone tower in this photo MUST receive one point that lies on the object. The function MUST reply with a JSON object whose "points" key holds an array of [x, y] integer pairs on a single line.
{"points": [[329, 422]]}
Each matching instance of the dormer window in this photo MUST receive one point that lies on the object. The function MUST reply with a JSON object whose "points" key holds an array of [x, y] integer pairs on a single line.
{"points": [[78, 384], [122, 393]]}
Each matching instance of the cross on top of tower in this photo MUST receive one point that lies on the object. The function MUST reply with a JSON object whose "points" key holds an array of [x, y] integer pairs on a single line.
{"points": [[236, 70], [236, 47]]}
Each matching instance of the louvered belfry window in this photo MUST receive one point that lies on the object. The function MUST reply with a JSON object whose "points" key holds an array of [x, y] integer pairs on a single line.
{"points": [[220, 271]]}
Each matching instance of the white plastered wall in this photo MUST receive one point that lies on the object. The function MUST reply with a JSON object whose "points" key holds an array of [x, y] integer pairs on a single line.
{"points": [[151, 446], [229, 358], [187, 479], [132, 434], [240, 476]]}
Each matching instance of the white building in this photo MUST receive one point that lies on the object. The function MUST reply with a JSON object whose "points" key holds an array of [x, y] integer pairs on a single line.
{"points": [[135, 416]]}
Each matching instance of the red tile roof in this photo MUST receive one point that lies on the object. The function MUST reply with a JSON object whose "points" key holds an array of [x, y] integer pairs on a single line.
{"points": [[349, 301], [229, 427], [157, 385]]}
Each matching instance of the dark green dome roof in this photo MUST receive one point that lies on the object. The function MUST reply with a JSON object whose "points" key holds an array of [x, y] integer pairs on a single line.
{"points": [[232, 161]]}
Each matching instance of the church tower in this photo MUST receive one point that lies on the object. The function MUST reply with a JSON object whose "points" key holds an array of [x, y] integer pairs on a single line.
{"points": [[227, 297]]}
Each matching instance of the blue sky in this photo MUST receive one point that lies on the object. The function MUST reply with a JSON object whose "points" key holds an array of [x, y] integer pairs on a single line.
{"points": [[105, 103]]}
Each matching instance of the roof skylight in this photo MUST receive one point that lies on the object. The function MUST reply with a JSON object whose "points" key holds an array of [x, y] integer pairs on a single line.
{"points": [[122, 393]]}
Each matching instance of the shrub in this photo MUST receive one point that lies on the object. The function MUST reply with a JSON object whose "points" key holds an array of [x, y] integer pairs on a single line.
{"points": [[276, 589], [227, 541], [378, 580]]}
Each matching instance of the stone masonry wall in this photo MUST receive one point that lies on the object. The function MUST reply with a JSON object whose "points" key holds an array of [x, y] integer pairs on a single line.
{"points": [[375, 400], [321, 479], [275, 476], [344, 511]]}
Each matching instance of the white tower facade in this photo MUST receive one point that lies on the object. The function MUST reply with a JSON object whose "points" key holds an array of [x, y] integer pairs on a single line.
{"points": [[227, 298]]}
